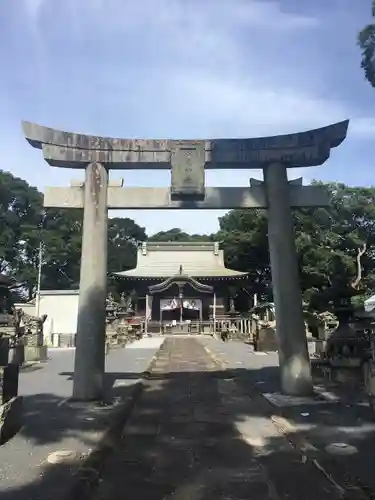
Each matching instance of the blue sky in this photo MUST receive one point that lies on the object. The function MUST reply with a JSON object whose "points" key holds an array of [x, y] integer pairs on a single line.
{"points": [[184, 69]]}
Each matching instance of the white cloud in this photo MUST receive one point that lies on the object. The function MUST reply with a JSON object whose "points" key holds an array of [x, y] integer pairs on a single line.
{"points": [[249, 107], [34, 7], [363, 128], [172, 13], [204, 68], [187, 68], [207, 68]]}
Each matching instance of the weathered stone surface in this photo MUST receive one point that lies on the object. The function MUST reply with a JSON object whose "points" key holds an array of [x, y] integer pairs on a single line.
{"points": [[188, 170], [160, 198], [89, 367], [59, 156], [267, 341], [9, 376], [77, 150], [10, 418], [38, 135], [287, 296], [36, 353], [302, 156], [4, 350]]}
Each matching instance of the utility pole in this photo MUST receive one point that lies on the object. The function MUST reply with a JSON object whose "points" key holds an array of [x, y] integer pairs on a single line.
{"points": [[37, 298]]}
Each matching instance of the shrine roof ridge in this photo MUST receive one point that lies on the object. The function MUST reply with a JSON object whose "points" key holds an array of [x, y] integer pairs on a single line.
{"points": [[331, 136], [179, 245]]}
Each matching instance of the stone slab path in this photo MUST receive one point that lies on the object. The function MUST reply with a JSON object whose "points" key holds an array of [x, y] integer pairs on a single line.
{"points": [[338, 425], [194, 435]]}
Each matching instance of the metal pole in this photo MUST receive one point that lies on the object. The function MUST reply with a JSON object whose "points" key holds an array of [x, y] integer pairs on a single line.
{"points": [[147, 314], [214, 312], [37, 298]]}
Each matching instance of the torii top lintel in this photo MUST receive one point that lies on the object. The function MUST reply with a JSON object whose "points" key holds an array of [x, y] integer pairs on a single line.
{"points": [[71, 150]]}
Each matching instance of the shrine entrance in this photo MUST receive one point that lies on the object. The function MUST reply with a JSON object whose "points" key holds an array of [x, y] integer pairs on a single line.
{"points": [[180, 310], [187, 160], [181, 313]]}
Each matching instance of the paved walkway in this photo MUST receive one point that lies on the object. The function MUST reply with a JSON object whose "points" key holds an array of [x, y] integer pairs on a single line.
{"points": [[340, 428], [195, 435], [52, 424]]}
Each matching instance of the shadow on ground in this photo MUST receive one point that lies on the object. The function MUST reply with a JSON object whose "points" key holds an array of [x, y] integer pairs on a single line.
{"points": [[49, 419], [188, 426]]}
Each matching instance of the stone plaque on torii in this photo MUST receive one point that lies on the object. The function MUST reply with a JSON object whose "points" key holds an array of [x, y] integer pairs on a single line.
{"points": [[187, 161]]}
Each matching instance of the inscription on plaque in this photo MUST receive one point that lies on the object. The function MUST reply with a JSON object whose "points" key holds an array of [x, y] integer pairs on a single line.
{"points": [[188, 160]]}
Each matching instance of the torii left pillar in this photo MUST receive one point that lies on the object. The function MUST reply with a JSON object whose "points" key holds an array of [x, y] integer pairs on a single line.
{"points": [[89, 364]]}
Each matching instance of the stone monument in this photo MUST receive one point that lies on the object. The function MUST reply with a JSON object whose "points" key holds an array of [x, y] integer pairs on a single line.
{"points": [[188, 161]]}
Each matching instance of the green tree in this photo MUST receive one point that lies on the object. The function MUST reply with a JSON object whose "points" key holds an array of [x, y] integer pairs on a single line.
{"points": [[338, 232], [243, 234], [366, 41], [62, 236], [123, 238], [62, 240], [21, 213], [24, 223], [176, 234], [323, 236]]}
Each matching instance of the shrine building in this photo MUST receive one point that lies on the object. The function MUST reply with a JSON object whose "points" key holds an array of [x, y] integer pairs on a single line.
{"points": [[180, 281]]}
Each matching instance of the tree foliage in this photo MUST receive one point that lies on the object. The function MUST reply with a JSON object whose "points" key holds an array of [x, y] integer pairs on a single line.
{"points": [[324, 237], [123, 238], [243, 234], [176, 234], [366, 41], [21, 214], [24, 224]]}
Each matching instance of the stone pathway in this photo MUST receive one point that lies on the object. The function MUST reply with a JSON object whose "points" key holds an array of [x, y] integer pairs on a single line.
{"points": [[53, 425], [194, 435], [338, 425]]}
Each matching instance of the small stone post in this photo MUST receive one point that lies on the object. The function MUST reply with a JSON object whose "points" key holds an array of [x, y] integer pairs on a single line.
{"points": [[293, 352], [89, 363]]}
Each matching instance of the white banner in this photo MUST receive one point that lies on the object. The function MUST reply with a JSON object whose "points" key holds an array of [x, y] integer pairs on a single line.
{"points": [[169, 304], [173, 304], [148, 307], [195, 304]]}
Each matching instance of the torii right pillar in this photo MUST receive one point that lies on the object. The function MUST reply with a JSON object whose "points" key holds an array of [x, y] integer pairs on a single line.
{"points": [[294, 359]]}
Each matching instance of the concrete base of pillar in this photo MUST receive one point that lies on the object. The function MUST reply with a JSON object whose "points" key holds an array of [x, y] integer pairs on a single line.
{"points": [[38, 353]]}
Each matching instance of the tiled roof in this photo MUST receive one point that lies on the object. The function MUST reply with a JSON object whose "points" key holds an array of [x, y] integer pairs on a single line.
{"points": [[163, 260]]}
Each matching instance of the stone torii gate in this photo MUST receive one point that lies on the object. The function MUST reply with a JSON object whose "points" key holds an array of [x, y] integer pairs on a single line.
{"points": [[188, 160]]}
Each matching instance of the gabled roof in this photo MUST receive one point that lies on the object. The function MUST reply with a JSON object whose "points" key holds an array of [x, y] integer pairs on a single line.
{"points": [[162, 260]]}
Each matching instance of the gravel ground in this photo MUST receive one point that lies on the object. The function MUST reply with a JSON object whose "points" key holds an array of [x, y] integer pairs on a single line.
{"points": [[52, 424], [341, 429]]}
